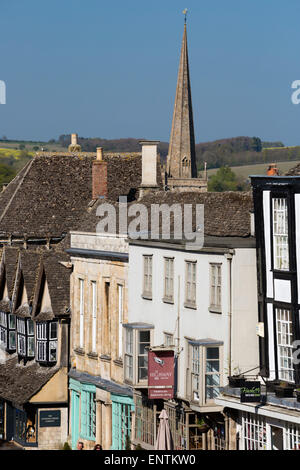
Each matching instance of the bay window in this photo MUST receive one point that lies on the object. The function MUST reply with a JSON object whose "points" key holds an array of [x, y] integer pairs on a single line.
{"points": [[137, 340], [8, 331], [46, 342], [204, 370], [25, 337]]}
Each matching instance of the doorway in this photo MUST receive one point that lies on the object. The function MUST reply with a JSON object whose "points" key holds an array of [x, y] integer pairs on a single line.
{"points": [[276, 438]]}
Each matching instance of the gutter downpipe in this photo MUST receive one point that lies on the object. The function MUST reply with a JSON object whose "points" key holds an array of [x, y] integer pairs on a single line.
{"points": [[229, 257]]}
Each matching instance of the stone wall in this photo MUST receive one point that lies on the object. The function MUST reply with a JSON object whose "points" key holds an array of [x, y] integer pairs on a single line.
{"points": [[53, 438]]}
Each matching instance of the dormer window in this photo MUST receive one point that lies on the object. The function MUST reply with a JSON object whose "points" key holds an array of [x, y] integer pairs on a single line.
{"points": [[25, 334], [46, 342], [8, 331]]}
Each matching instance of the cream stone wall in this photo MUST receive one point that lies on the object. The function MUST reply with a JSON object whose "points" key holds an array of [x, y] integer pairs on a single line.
{"points": [[53, 438], [104, 361]]}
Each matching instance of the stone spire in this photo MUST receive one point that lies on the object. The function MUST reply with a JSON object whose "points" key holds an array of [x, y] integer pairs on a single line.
{"points": [[181, 162]]}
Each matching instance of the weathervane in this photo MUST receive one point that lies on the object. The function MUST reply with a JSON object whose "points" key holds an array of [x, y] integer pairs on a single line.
{"points": [[185, 13]]}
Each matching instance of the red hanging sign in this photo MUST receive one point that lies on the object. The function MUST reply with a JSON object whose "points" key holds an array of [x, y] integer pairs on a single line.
{"points": [[161, 374]]}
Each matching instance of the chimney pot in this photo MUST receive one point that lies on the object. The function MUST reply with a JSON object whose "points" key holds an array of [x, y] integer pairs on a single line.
{"points": [[99, 153], [74, 139]]}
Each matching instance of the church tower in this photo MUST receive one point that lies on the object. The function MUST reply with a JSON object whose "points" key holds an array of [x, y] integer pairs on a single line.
{"points": [[181, 160]]}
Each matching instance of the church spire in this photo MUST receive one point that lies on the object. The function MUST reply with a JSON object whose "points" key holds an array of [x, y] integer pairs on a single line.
{"points": [[181, 161]]}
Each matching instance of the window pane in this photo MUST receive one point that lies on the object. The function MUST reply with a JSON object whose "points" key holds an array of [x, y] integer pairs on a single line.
{"points": [[212, 353], [30, 327], [144, 336], [53, 330], [12, 321]]}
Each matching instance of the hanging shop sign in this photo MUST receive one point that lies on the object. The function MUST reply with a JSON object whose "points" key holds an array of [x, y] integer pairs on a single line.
{"points": [[161, 374], [251, 392]]}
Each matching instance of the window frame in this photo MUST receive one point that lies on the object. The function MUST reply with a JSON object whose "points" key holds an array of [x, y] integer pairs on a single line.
{"points": [[147, 276], [94, 300], [286, 374], [6, 330], [24, 336], [81, 313], [197, 371], [46, 343], [215, 283], [281, 196], [135, 332], [168, 279], [190, 292]]}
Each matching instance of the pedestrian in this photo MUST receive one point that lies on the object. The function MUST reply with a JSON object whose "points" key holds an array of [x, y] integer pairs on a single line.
{"points": [[80, 445], [98, 447]]}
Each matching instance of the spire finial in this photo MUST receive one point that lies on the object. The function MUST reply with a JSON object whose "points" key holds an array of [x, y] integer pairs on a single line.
{"points": [[185, 13]]}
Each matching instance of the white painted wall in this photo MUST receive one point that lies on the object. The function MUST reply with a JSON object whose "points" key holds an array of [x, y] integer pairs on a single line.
{"points": [[199, 323], [267, 232]]}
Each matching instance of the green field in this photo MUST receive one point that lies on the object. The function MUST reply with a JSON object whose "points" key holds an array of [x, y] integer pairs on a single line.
{"points": [[243, 172], [30, 146]]}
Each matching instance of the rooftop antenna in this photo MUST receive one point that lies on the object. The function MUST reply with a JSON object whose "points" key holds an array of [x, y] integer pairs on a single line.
{"points": [[185, 13]]}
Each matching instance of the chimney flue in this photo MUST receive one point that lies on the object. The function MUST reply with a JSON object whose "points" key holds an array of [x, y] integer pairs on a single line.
{"points": [[99, 176], [99, 153], [149, 166], [74, 139]]}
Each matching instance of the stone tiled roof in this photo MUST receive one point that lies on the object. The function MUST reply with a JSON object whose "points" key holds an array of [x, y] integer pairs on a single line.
{"points": [[58, 279], [295, 171], [11, 255], [49, 196], [225, 214], [20, 383], [31, 265]]}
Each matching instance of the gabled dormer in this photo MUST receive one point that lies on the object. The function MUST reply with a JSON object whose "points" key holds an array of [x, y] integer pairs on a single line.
{"points": [[7, 320]]}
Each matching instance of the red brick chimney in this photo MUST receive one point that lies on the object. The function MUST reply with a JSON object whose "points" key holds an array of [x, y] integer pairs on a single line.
{"points": [[99, 176]]}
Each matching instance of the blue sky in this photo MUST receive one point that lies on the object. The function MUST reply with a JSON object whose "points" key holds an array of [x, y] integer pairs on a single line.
{"points": [[109, 69]]}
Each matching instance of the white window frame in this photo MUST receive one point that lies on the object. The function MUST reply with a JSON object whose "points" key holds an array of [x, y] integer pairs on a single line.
{"points": [[46, 341], [132, 355], [280, 234], [147, 276], [169, 339], [129, 354], [284, 335], [168, 279], [198, 373], [190, 283], [81, 313], [216, 287], [120, 318], [254, 432], [94, 315]]}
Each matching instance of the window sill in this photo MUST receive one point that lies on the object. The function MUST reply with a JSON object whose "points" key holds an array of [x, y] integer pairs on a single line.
{"points": [[167, 300], [118, 362], [213, 309], [92, 355], [105, 358], [190, 305], [79, 351], [147, 296]]}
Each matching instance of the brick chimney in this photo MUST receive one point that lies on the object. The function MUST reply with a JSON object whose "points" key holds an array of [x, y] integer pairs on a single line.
{"points": [[149, 166], [99, 176]]}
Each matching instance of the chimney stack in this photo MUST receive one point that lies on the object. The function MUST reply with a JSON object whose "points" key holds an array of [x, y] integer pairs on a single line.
{"points": [[149, 166], [99, 176], [74, 147]]}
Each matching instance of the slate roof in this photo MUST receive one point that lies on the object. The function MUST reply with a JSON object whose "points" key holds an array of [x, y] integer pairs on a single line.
{"points": [[104, 384], [19, 383], [225, 214], [52, 191], [11, 255]]}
